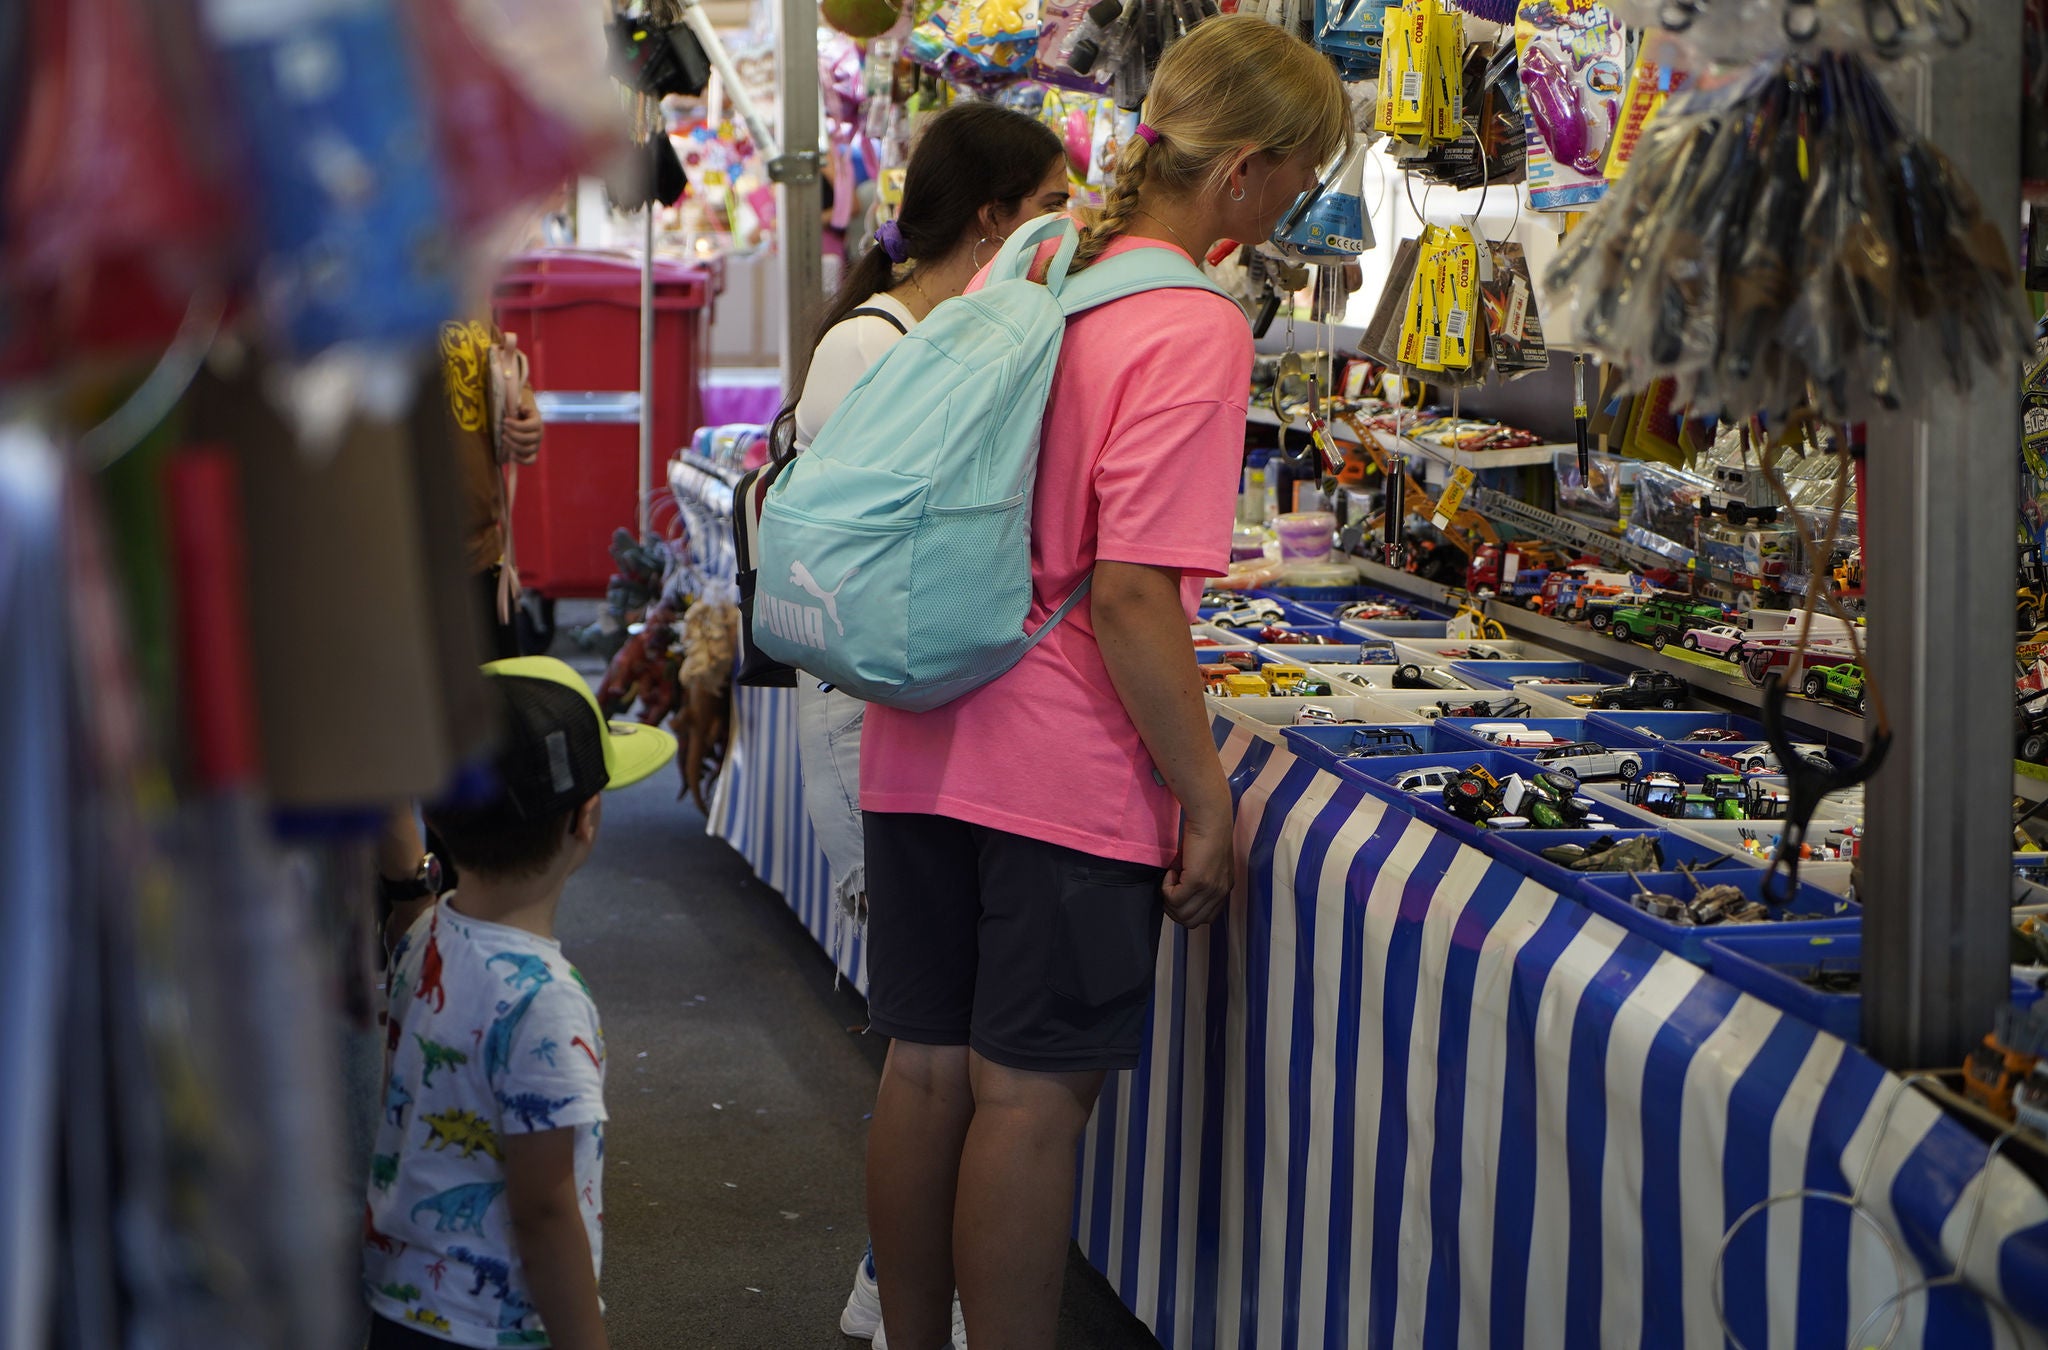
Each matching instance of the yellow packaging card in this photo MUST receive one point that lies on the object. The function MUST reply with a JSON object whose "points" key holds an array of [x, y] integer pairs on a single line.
{"points": [[1458, 297], [1422, 329], [1391, 46], [1446, 68], [1410, 100], [1448, 505]]}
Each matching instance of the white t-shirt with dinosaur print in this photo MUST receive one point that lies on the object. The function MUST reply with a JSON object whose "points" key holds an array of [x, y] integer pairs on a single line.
{"points": [[491, 1032]]}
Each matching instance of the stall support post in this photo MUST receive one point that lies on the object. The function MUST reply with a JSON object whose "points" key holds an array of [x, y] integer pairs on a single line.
{"points": [[646, 364], [797, 170], [1936, 862]]}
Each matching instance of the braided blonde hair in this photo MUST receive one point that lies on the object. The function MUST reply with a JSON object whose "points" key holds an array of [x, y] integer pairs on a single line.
{"points": [[1235, 83]]}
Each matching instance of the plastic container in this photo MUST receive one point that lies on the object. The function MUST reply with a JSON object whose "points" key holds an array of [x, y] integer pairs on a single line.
{"points": [[1326, 745], [1377, 774], [1422, 702], [1501, 674], [1247, 543], [1341, 656], [1523, 851], [1771, 965], [1272, 714], [1563, 728], [1330, 599], [1305, 537], [1816, 912], [576, 314], [1652, 728]]}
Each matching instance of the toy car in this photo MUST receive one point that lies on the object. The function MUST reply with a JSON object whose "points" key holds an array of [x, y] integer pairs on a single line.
{"points": [[1760, 661], [1763, 759], [1474, 795], [1278, 635], [1514, 735], [1661, 620], [1512, 707], [1375, 609], [1250, 614], [1843, 684], [1470, 653], [1310, 716], [1543, 679], [2030, 722], [1412, 676], [1549, 801], [1379, 743], [1712, 734], [1582, 760], [1424, 780], [1659, 793], [1721, 639], [1643, 689]]}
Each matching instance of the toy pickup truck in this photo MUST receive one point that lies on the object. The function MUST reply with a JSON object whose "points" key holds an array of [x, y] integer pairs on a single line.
{"points": [[1760, 662], [1843, 684], [1643, 689], [1662, 620]]}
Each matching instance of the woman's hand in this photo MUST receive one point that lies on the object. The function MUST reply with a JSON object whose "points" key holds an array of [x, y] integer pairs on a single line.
{"points": [[1142, 629], [522, 427]]}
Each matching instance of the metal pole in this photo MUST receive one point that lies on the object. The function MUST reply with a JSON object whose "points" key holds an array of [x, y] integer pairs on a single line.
{"points": [[802, 209], [1936, 865], [647, 361]]}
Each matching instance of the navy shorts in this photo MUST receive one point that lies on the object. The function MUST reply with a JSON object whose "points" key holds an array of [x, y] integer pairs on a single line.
{"points": [[1038, 957]]}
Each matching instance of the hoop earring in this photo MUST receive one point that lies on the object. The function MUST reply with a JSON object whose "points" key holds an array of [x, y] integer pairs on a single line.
{"points": [[1238, 195], [976, 253]]}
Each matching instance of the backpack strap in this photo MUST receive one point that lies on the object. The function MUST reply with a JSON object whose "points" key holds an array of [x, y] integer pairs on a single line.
{"points": [[1133, 273], [1066, 608], [875, 312]]}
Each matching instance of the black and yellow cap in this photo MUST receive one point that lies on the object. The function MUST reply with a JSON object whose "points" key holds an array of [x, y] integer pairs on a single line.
{"points": [[558, 750]]}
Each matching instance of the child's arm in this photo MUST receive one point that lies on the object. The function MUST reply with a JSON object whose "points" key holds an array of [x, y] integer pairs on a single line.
{"points": [[547, 1225]]}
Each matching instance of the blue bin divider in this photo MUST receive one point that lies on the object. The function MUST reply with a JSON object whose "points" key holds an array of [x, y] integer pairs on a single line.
{"points": [[1650, 729], [1523, 851], [1500, 674], [1326, 745], [1816, 912], [1375, 776], [1400, 630], [1330, 599], [1761, 961], [1564, 728]]}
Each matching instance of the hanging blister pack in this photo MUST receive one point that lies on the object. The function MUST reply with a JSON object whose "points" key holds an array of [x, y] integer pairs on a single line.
{"points": [[1329, 223], [1457, 298], [1573, 56], [1351, 33]]}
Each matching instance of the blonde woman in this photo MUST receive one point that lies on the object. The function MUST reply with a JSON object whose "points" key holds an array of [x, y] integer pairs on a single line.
{"points": [[1024, 842]]}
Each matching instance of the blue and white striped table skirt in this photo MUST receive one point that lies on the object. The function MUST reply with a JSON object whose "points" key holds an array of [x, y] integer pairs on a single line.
{"points": [[1405, 1096]]}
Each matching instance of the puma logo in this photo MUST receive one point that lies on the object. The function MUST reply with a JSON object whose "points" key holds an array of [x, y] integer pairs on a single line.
{"points": [[801, 578]]}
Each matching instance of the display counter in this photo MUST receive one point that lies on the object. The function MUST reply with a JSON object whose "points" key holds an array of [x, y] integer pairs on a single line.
{"points": [[1404, 1094]]}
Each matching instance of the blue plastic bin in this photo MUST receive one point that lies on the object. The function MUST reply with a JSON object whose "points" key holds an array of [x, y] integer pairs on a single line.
{"points": [[1649, 729], [1816, 912], [1330, 599], [1523, 851], [1400, 630], [1326, 745], [1768, 964], [1500, 674], [1564, 728]]}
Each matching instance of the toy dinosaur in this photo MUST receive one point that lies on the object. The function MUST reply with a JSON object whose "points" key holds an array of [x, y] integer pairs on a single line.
{"points": [[498, 1044], [384, 1170], [527, 970], [460, 1209], [437, 1056], [489, 1270], [466, 1129], [643, 672], [703, 723], [535, 1112]]}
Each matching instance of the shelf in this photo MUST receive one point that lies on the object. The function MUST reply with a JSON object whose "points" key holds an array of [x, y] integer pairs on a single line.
{"points": [[1476, 460], [1725, 688]]}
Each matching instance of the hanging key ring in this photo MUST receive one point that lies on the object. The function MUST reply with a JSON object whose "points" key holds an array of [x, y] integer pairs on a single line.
{"points": [[1802, 20]]}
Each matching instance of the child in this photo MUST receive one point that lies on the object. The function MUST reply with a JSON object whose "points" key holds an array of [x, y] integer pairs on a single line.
{"points": [[485, 1212]]}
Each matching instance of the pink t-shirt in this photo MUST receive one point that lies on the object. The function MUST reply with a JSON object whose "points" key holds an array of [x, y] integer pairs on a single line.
{"points": [[1143, 444]]}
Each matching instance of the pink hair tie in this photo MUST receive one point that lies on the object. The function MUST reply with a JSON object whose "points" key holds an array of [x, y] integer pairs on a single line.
{"points": [[1147, 134]]}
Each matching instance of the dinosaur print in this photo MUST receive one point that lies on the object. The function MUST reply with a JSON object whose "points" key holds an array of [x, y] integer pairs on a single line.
{"points": [[404, 1293], [489, 1269], [428, 1318], [396, 1099], [581, 983], [498, 1044], [465, 1128], [535, 1111], [438, 1056], [546, 1050], [436, 1272], [512, 1315], [390, 1246], [383, 1170], [530, 972], [429, 989], [597, 1133], [460, 1209], [578, 1043]]}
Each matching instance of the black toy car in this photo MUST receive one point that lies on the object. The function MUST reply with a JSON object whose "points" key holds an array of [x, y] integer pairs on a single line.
{"points": [[1644, 689], [2030, 727], [1379, 743]]}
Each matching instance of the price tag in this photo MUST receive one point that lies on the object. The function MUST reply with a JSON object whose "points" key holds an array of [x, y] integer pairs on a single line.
{"points": [[1454, 498]]}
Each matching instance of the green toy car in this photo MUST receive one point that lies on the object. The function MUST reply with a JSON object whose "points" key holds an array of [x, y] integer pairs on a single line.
{"points": [[1843, 684], [1660, 621]]}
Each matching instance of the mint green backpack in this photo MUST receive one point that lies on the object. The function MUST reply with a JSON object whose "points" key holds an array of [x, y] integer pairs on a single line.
{"points": [[895, 553]]}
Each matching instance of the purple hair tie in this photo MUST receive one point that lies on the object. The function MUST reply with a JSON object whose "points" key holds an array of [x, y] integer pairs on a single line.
{"points": [[1147, 134], [890, 237]]}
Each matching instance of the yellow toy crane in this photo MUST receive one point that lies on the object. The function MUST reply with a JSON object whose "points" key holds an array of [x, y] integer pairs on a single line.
{"points": [[1467, 530]]}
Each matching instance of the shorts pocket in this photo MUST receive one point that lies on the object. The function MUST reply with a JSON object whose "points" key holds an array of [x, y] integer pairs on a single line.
{"points": [[1109, 916]]}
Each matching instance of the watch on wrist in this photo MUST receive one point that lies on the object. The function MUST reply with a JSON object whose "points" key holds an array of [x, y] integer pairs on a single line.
{"points": [[424, 883]]}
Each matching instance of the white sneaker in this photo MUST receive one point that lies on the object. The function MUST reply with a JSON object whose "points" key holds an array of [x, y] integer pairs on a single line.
{"points": [[959, 1341], [863, 1315]]}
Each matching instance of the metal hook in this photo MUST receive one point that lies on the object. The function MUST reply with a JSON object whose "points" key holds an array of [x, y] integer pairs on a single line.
{"points": [[1802, 20], [1805, 783]]}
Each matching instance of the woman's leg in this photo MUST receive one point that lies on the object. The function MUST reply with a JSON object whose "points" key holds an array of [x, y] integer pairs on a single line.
{"points": [[1014, 1217], [921, 1123]]}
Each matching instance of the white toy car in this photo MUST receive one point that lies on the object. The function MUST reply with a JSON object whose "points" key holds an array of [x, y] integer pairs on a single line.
{"points": [[1589, 760], [1722, 640], [1513, 734], [1424, 780]]}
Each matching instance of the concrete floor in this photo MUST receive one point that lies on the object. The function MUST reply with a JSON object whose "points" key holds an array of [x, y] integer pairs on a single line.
{"points": [[739, 1092]]}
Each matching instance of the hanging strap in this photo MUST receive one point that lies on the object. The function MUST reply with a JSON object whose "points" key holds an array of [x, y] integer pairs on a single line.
{"points": [[1066, 608], [874, 312]]}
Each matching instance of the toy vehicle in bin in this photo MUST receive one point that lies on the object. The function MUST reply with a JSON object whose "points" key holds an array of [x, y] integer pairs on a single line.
{"points": [[1473, 795], [1763, 759], [1659, 793], [1507, 707], [1584, 760], [1710, 735], [1365, 610], [1279, 635], [1310, 716], [1760, 660], [2030, 729], [1720, 639], [1843, 684], [1285, 680], [1379, 742], [1513, 735], [1661, 620], [1642, 689], [1253, 613]]}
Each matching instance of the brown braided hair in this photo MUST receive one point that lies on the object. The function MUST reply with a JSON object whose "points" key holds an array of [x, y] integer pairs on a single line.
{"points": [[1236, 82]]}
